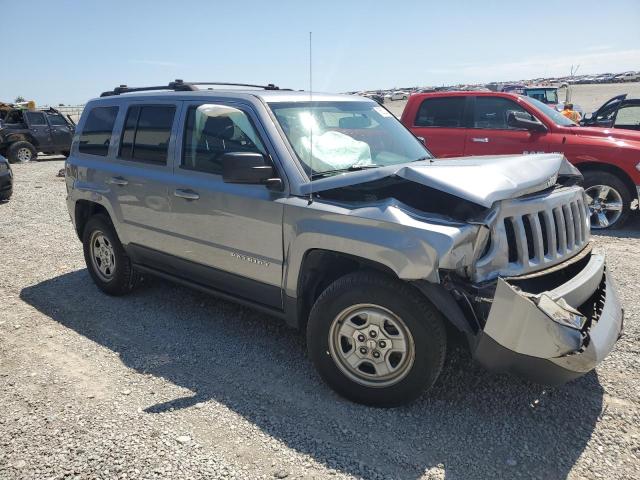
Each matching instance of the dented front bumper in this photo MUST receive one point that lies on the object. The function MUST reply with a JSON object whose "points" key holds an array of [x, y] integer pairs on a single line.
{"points": [[553, 336]]}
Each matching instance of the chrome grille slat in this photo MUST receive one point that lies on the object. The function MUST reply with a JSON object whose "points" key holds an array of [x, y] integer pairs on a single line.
{"points": [[551, 234], [536, 230], [562, 231], [539, 231]]}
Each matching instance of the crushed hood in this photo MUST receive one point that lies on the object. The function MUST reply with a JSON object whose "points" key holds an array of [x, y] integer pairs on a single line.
{"points": [[481, 180]]}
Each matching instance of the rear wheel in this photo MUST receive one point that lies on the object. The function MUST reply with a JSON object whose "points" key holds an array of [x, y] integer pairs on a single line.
{"points": [[609, 199], [107, 262], [375, 340], [21, 152]]}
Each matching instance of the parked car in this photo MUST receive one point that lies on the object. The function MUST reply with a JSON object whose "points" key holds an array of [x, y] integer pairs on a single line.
{"points": [[331, 215], [399, 95], [6, 179], [618, 112], [24, 133], [627, 77], [454, 124]]}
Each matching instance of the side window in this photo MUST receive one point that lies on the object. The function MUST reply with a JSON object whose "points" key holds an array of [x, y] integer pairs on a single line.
{"points": [[36, 118], [492, 112], [146, 134], [213, 130], [441, 112], [57, 121], [96, 133], [628, 116]]}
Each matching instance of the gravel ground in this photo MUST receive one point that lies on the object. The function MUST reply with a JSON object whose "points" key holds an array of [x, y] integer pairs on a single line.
{"points": [[170, 383]]}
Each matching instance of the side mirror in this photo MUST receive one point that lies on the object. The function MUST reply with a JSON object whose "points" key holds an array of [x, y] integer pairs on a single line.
{"points": [[246, 167], [524, 120]]}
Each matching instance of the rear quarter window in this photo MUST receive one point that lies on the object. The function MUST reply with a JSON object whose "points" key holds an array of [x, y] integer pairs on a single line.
{"points": [[441, 112], [96, 133]]}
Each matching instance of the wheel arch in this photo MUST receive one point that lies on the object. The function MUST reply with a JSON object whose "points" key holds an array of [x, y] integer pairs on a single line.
{"points": [[322, 267], [20, 137], [84, 210]]}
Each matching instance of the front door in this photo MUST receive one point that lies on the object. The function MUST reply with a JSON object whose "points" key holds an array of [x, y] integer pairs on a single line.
{"points": [[61, 132], [39, 129], [229, 236], [490, 134]]}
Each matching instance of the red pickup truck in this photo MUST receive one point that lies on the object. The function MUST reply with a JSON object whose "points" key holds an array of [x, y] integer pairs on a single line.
{"points": [[454, 124]]}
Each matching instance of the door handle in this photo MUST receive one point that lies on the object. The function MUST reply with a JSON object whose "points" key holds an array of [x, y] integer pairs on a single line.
{"points": [[120, 181], [480, 140], [186, 194]]}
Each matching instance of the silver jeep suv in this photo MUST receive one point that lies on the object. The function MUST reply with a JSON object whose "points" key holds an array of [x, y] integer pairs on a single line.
{"points": [[325, 211]]}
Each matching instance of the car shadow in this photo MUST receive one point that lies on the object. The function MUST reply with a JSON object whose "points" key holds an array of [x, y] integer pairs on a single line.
{"points": [[472, 424]]}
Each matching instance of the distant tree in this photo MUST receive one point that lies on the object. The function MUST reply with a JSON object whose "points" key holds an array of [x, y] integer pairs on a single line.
{"points": [[20, 99]]}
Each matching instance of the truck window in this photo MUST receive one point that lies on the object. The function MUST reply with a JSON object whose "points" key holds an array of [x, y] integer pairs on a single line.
{"points": [[628, 116], [96, 133], [147, 132], [36, 118], [441, 112], [492, 112], [213, 130], [57, 121]]}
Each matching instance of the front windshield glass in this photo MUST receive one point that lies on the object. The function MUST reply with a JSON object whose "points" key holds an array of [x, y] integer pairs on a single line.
{"points": [[544, 95], [554, 115], [333, 137]]}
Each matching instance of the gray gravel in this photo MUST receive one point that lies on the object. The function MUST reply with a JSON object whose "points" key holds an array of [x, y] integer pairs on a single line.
{"points": [[170, 383]]}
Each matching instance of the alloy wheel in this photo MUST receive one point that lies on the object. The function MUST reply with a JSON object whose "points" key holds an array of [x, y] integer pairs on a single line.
{"points": [[23, 155], [605, 205]]}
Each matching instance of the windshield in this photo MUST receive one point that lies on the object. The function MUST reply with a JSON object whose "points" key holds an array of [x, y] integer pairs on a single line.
{"points": [[544, 95], [333, 137], [553, 115]]}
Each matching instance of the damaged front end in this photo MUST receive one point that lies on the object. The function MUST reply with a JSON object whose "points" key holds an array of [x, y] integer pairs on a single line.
{"points": [[552, 326]]}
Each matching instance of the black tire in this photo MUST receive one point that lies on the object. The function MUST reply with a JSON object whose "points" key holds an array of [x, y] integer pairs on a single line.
{"points": [[14, 155], [419, 316], [598, 177], [6, 195], [124, 276]]}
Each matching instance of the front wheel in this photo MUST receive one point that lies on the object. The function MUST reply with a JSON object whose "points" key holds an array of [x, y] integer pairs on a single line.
{"points": [[21, 152], [375, 340], [609, 199]]}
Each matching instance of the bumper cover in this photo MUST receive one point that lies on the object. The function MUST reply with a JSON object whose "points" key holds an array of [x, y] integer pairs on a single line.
{"points": [[554, 336]]}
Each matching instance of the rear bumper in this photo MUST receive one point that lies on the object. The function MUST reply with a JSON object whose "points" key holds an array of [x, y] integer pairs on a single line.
{"points": [[553, 336]]}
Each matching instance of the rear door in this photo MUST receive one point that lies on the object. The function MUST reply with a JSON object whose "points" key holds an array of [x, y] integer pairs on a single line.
{"points": [[61, 132], [606, 114], [489, 133], [39, 129], [440, 121], [144, 172]]}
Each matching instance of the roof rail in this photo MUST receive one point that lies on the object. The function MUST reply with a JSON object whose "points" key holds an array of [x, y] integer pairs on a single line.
{"points": [[181, 86]]}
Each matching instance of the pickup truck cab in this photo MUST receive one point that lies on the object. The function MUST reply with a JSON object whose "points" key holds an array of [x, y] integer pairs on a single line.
{"points": [[324, 211], [455, 124]]}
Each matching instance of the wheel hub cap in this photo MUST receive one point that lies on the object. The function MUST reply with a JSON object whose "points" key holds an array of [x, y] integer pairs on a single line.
{"points": [[102, 256], [24, 154], [371, 345], [605, 205]]}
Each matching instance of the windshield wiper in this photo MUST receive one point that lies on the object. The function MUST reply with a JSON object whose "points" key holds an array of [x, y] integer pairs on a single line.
{"points": [[426, 157], [352, 168]]}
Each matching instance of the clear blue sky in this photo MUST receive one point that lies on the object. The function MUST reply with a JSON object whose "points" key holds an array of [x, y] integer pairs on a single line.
{"points": [[67, 51]]}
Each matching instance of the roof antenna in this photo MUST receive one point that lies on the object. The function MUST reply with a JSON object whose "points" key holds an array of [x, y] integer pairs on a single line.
{"points": [[310, 120]]}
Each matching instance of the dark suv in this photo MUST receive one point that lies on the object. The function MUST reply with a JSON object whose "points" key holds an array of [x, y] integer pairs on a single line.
{"points": [[24, 133]]}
